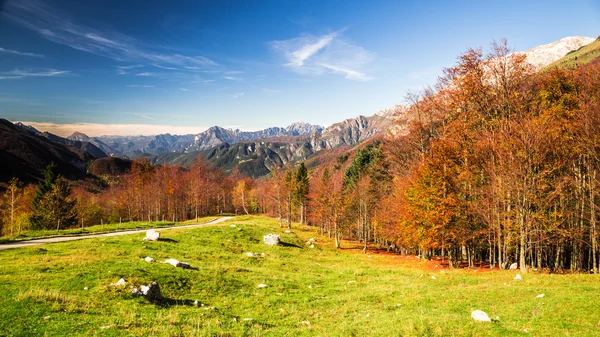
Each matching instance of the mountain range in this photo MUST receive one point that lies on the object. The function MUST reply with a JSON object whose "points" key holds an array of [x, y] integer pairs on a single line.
{"points": [[254, 153]]}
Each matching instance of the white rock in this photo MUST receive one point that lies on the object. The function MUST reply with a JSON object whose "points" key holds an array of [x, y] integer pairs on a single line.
{"points": [[105, 327], [271, 239], [309, 287], [307, 323], [152, 235], [172, 262], [480, 316], [513, 266], [288, 231], [148, 259], [47, 317], [262, 285], [311, 240], [433, 277], [247, 319], [540, 296], [351, 281], [251, 254], [120, 282], [312, 246], [85, 288], [151, 292], [232, 226], [518, 277]]}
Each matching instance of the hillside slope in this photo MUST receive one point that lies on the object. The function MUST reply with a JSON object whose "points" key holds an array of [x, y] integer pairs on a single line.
{"points": [[579, 57]]}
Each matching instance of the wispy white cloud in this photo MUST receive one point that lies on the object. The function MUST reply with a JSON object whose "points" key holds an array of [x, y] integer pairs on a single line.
{"points": [[163, 67], [15, 52], [20, 73], [184, 89], [232, 78], [271, 91], [317, 55], [144, 74], [238, 95], [94, 130], [139, 86], [350, 74], [58, 27]]}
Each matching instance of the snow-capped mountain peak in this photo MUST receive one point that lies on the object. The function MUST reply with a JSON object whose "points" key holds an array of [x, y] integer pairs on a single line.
{"points": [[543, 55]]}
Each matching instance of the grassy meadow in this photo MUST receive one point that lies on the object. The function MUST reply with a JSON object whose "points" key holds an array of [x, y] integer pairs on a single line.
{"points": [[97, 229], [65, 289]]}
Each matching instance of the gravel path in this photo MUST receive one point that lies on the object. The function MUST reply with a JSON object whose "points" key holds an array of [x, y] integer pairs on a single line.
{"points": [[80, 237]]}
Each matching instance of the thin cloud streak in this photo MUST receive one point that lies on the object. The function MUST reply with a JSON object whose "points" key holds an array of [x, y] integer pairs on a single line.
{"points": [[54, 26], [19, 73], [310, 55], [15, 52]]}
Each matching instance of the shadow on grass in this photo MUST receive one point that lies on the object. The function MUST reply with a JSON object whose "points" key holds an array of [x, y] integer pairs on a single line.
{"points": [[287, 244], [167, 240]]}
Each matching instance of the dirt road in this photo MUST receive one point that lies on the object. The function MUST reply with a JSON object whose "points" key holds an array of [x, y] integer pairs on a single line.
{"points": [[91, 236]]}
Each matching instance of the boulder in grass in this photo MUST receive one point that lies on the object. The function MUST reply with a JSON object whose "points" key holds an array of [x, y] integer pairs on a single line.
{"points": [[272, 239], [120, 282], [151, 292], [152, 235], [513, 266], [176, 263], [262, 285], [518, 277], [148, 259], [480, 316]]}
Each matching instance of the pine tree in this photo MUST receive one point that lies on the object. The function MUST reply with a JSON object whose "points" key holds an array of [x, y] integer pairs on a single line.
{"points": [[52, 207], [301, 190]]}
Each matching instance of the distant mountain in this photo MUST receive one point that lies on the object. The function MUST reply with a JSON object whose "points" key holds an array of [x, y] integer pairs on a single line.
{"points": [[144, 146], [544, 55], [81, 137], [84, 149], [25, 154], [579, 57], [256, 158]]}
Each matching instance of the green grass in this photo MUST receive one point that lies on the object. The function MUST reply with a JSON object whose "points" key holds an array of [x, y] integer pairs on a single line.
{"points": [[583, 55], [97, 229], [43, 290]]}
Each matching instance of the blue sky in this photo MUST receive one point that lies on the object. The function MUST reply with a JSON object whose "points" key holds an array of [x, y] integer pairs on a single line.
{"points": [[145, 66]]}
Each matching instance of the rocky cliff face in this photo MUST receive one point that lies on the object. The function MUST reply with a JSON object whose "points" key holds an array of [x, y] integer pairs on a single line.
{"points": [[258, 157]]}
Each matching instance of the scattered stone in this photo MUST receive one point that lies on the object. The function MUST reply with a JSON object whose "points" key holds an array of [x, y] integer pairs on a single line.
{"points": [[518, 277], [540, 296], [47, 317], [513, 266], [307, 323], [369, 256], [250, 254], [442, 272], [151, 292], [105, 327], [85, 288], [311, 240], [152, 235], [351, 281], [247, 319], [507, 284], [119, 283], [398, 305], [176, 263], [309, 287], [433, 277], [480, 316], [271, 239], [525, 330], [288, 231], [196, 303], [262, 285], [232, 226], [148, 259], [312, 246]]}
